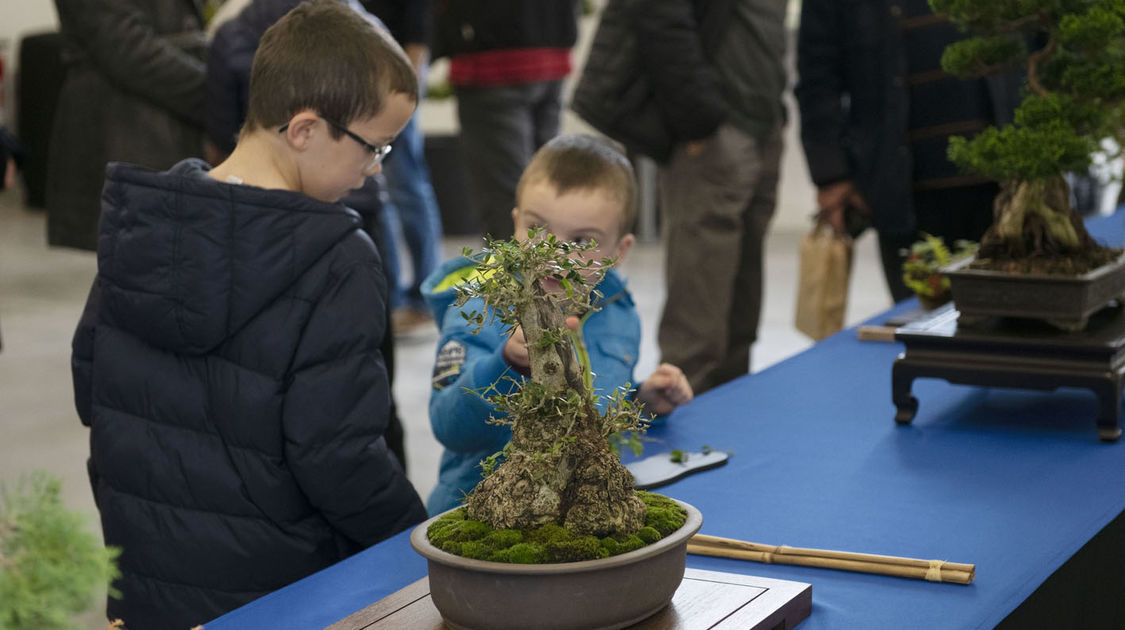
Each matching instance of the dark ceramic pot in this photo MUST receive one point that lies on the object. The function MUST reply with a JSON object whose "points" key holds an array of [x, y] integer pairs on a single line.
{"points": [[1063, 301], [612, 592]]}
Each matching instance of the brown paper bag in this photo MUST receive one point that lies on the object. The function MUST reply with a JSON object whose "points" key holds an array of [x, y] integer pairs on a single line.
{"points": [[822, 289]]}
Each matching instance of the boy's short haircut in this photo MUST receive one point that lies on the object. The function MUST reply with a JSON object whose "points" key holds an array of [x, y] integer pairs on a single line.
{"points": [[324, 56], [584, 162]]}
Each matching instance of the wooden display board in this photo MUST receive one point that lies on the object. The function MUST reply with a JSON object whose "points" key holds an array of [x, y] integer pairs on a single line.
{"points": [[706, 600]]}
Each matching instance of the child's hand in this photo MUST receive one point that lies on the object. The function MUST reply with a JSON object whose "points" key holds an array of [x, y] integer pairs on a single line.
{"points": [[515, 350], [665, 389]]}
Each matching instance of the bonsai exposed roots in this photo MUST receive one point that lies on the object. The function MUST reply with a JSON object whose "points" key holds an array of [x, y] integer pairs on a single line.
{"points": [[1036, 231]]}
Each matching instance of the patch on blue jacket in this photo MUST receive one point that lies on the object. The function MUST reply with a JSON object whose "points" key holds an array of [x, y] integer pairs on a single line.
{"points": [[448, 364]]}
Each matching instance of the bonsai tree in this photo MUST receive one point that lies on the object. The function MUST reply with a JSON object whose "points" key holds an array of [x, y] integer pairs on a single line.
{"points": [[50, 566], [1074, 53], [559, 467]]}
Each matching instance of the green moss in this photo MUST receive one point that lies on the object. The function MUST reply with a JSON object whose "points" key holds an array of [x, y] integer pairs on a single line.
{"points": [[477, 550], [574, 548], [454, 533], [551, 533], [649, 535], [503, 538], [613, 545], [522, 553], [663, 515], [454, 528]]}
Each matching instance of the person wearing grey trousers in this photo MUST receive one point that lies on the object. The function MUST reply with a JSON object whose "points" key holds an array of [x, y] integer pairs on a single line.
{"points": [[717, 71], [508, 59]]}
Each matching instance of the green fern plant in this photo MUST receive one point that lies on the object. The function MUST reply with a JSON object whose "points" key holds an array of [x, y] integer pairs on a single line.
{"points": [[921, 269]]}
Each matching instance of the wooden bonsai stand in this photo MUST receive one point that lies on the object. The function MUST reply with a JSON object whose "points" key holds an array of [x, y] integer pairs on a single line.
{"points": [[1009, 352]]}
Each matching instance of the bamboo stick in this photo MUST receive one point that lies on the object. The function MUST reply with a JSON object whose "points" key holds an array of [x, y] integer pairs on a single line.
{"points": [[932, 570]]}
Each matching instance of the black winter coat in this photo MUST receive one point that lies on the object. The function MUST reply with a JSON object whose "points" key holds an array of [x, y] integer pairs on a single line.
{"points": [[470, 26], [647, 82], [410, 21], [228, 366], [133, 92], [853, 100]]}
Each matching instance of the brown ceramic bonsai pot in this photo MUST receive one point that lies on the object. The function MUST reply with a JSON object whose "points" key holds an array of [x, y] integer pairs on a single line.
{"points": [[612, 592], [1063, 301]]}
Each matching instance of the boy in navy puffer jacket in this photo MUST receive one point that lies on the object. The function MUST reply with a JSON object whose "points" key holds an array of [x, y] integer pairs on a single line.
{"points": [[579, 189], [227, 362]]}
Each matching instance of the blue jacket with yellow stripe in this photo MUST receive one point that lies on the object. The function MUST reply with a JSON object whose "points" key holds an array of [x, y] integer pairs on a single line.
{"points": [[467, 362]]}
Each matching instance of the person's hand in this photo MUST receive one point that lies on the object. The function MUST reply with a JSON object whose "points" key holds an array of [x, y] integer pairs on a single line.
{"points": [[515, 349], [833, 199], [9, 175], [665, 389], [695, 148]]}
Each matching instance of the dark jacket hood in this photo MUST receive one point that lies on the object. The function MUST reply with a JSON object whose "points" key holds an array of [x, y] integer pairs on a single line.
{"points": [[186, 260]]}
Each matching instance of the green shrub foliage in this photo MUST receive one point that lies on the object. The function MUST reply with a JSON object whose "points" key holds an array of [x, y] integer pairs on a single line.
{"points": [[50, 564], [1074, 54]]}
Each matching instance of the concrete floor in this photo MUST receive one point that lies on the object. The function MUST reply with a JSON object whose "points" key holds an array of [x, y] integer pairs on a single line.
{"points": [[42, 291]]}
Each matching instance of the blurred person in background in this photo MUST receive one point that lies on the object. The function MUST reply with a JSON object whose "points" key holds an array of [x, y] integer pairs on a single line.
{"points": [[413, 209], [508, 59], [133, 93]]}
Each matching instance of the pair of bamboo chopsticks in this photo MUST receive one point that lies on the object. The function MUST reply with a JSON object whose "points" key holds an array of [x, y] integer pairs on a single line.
{"points": [[932, 570]]}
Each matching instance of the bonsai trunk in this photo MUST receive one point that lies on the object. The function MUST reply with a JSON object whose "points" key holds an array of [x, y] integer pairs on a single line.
{"points": [[559, 469], [1035, 230]]}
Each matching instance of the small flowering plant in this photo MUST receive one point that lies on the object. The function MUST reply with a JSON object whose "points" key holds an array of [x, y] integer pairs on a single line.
{"points": [[921, 269]]}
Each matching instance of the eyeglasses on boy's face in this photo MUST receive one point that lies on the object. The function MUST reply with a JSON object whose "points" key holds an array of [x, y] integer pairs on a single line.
{"points": [[377, 153]]}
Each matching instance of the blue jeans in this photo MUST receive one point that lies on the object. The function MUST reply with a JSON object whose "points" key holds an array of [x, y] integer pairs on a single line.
{"points": [[412, 206]]}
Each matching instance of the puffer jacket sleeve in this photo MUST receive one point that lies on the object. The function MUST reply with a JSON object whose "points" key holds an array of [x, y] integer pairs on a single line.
{"points": [[459, 418], [123, 44], [819, 90], [82, 354], [336, 410], [673, 58]]}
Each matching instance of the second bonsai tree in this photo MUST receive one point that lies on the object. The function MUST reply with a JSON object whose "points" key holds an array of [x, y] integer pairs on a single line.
{"points": [[1074, 54]]}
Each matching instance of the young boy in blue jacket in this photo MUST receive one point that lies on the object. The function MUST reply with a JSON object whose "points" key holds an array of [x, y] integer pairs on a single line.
{"points": [[228, 361], [579, 189]]}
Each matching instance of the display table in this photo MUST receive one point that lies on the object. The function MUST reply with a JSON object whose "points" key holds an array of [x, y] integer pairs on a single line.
{"points": [[1004, 479]]}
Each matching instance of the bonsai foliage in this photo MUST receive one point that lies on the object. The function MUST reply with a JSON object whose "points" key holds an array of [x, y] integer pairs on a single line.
{"points": [[1074, 55], [558, 467], [50, 566], [920, 270]]}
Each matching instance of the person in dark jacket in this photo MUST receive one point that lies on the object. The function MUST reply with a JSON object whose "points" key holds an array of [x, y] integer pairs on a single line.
{"points": [[227, 362], [697, 85], [133, 92], [877, 112], [508, 59]]}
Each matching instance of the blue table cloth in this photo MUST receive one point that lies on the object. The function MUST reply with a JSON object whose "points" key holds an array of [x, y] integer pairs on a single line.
{"points": [[1013, 481]]}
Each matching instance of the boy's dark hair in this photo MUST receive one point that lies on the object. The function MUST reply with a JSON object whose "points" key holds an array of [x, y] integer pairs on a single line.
{"points": [[325, 57], [584, 162]]}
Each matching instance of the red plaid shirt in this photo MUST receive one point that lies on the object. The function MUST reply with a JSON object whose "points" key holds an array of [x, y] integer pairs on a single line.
{"points": [[499, 67]]}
